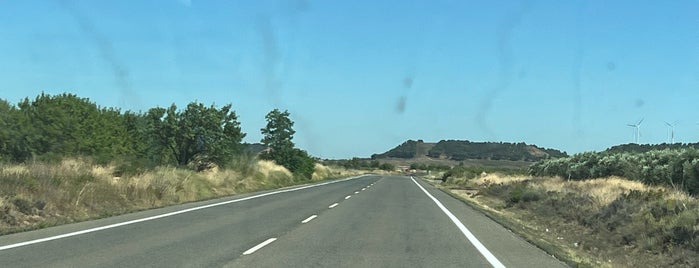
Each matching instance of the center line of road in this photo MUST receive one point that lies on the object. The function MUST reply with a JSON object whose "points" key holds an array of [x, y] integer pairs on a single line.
{"points": [[347, 197], [261, 245], [309, 219], [333, 205], [472, 238]]}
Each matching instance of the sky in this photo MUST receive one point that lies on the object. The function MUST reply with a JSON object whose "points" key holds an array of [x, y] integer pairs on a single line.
{"points": [[360, 77]]}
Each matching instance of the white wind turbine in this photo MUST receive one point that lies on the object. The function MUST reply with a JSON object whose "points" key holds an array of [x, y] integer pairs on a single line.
{"points": [[637, 130], [671, 131]]}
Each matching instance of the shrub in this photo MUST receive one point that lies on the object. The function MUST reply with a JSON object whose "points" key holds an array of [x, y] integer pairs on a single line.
{"points": [[677, 168]]}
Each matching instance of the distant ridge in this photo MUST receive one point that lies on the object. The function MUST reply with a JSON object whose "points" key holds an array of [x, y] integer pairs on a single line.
{"points": [[459, 150], [642, 148]]}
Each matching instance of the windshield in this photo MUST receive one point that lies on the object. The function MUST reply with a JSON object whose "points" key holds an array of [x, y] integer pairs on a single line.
{"points": [[131, 88]]}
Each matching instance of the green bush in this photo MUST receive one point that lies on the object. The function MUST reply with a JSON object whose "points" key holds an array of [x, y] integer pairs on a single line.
{"points": [[387, 167], [521, 193]]}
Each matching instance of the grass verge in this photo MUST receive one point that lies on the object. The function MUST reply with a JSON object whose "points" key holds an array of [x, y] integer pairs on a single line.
{"points": [[608, 222], [38, 195]]}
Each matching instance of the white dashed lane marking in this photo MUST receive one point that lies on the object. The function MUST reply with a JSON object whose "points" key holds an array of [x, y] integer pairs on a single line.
{"points": [[309, 219], [258, 247]]}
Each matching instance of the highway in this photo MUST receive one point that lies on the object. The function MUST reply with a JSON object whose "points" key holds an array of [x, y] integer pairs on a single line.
{"points": [[366, 221]]}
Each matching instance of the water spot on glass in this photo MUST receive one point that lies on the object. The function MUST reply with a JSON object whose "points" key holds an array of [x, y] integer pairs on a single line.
{"points": [[400, 106], [639, 103]]}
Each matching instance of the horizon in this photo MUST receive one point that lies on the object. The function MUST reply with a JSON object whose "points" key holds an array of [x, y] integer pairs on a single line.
{"points": [[361, 78]]}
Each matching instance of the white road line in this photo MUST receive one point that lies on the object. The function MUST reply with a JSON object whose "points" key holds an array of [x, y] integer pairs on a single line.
{"points": [[41, 240], [472, 238], [333, 205], [309, 219], [347, 197], [261, 245]]}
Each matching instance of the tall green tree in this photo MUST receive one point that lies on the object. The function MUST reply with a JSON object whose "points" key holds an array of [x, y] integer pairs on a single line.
{"points": [[277, 136], [279, 132], [205, 133]]}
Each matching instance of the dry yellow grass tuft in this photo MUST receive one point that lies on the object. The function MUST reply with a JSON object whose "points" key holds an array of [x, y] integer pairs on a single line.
{"points": [[268, 167], [497, 178], [14, 170], [321, 172]]}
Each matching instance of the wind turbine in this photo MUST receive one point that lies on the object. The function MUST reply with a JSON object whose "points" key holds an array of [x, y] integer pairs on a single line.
{"points": [[637, 130], [671, 130]]}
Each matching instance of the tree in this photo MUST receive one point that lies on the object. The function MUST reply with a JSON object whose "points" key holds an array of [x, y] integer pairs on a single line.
{"points": [[277, 136], [7, 129], [66, 125], [205, 134], [279, 131]]}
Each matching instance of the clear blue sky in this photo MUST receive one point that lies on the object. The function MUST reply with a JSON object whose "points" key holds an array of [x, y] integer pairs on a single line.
{"points": [[360, 77]]}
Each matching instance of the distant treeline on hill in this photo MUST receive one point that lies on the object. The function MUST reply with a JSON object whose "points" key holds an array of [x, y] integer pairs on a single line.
{"points": [[460, 150], [642, 148]]}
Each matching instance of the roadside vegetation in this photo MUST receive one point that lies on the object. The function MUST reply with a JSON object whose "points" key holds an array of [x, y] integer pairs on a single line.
{"points": [[598, 209], [676, 168], [38, 194], [65, 159], [361, 164]]}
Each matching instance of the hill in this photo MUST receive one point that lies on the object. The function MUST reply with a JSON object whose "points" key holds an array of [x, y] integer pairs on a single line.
{"points": [[406, 150], [459, 150]]}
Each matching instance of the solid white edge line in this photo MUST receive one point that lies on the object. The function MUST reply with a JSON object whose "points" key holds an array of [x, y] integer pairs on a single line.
{"points": [[333, 205], [472, 238], [40, 240], [347, 197], [309, 218], [259, 246]]}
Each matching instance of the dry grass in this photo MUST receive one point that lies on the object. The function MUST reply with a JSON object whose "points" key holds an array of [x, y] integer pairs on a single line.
{"points": [[268, 167], [35, 195], [321, 172], [606, 190], [497, 178], [604, 222], [602, 190]]}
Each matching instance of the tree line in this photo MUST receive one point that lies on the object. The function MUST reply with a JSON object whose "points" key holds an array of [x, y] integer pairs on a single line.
{"points": [[460, 150], [359, 163], [52, 127]]}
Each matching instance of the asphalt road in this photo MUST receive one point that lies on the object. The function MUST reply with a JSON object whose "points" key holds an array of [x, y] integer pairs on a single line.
{"points": [[369, 221]]}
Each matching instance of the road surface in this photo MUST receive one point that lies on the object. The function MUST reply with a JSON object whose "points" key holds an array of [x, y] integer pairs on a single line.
{"points": [[367, 221]]}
